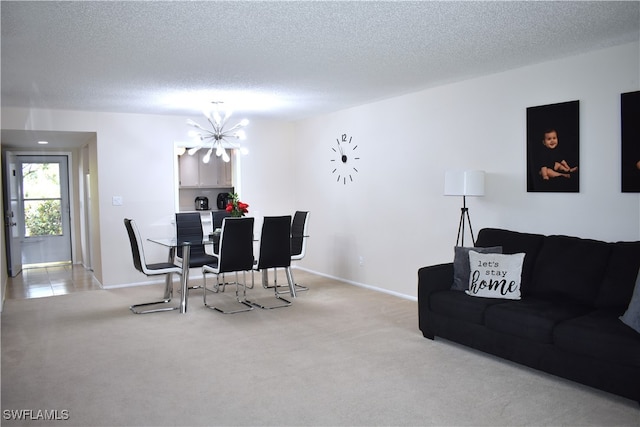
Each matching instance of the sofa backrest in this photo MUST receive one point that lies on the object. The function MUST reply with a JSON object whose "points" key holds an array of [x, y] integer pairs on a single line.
{"points": [[620, 277], [513, 242], [570, 268], [584, 271]]}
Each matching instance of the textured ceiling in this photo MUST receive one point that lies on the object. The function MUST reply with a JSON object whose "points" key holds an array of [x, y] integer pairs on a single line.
{"points": [[285, 60]]}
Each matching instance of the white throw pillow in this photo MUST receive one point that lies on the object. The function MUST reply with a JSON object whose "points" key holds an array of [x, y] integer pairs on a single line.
{"points": [[495, 275]]}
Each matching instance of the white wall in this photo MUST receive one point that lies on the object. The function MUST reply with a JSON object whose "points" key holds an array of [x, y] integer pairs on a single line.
{"points": [[135, 161], [395, 216]]}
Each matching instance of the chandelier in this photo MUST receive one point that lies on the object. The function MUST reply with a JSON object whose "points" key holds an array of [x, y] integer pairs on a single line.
{"points": [[218, 138]]}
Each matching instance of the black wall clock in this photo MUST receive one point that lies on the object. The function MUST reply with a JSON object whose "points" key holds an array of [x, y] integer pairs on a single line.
{"points": [[344, 160]]}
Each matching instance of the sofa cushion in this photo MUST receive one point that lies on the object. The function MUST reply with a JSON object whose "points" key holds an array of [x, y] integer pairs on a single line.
{"points": [[631, 316], [601, 335], [495, 275], [461, 264], [461, 306], [619, 278], [570, 268], [513, 242], [531, 318]]}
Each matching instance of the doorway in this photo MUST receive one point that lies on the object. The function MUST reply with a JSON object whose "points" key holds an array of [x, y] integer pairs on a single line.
{"points": [[40, 211]]}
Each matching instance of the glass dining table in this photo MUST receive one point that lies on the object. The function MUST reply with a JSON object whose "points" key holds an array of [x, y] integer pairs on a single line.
{"points": [[173, 243]]}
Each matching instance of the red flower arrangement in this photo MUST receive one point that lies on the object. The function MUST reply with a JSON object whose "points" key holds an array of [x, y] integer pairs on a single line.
{"points": [[235, 207]]}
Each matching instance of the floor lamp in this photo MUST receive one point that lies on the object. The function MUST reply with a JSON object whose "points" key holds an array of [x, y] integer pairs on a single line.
{"points": [[464, 183]]}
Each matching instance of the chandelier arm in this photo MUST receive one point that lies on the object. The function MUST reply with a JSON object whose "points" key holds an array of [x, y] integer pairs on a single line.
{"points": [[205, 142], [196, 125], [225, 156], [193, 150], [213, 125], [209, 134], [237, 125]]}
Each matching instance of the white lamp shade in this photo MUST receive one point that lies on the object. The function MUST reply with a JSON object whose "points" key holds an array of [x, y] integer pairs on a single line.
{"points": [[464, 183]]}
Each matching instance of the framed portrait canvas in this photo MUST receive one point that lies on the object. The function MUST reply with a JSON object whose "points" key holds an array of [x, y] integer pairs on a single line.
{"points": [[553, 142], [630, 167]]}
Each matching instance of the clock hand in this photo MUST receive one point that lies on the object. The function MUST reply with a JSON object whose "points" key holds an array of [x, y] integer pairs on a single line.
{"points": [[343, 156]]}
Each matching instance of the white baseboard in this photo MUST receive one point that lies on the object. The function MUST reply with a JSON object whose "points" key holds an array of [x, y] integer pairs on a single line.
{"points": [[362, 285], [340, 279]]}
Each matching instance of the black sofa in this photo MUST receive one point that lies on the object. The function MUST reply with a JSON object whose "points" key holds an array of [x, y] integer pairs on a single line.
{"points": [[567, 321]]}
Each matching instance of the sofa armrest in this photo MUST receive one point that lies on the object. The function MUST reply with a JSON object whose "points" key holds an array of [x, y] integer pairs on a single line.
{"points": [[435, 278], [431, 279]]}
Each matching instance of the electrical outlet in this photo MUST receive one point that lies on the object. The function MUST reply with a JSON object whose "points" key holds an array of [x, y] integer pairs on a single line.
{"points": [[116, 201], [361, 260]]}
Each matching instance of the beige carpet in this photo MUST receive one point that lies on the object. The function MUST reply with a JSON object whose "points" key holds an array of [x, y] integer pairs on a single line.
{"points": [[341, 355]]}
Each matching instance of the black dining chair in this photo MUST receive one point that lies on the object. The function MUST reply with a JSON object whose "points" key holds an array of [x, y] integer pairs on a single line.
{"points": [[217, 217], [275, 252], [299, 237], [235, 255], [139, 262], [216, 220], [189, 227], [298, 249]]}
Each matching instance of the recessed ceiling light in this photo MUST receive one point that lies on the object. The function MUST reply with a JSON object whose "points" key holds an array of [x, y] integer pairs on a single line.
{"points": [[43, 142], [240, 101]]}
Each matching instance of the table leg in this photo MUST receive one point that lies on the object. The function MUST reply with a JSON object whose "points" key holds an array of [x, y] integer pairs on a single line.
{"points": [[186, 253]]}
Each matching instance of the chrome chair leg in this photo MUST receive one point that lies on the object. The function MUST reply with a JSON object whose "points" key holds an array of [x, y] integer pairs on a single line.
{"points": [[243, 301], [134, 308], [265, 281], [297, 287], [285, 302], [168, 294], [290, 290], [168, 287], [252, 282], [292, 284]]}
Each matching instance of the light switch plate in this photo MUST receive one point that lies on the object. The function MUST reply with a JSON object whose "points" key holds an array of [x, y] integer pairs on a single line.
{"points": [[116, 201]]}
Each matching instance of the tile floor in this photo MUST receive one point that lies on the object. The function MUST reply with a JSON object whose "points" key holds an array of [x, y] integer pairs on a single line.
{"points": [[51, 280]]}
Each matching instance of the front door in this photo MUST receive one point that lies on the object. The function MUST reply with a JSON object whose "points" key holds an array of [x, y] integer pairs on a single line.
{"points": [[45, 213]]}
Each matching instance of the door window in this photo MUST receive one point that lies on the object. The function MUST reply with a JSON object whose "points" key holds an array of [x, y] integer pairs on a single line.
{"points": [[42, 199]]}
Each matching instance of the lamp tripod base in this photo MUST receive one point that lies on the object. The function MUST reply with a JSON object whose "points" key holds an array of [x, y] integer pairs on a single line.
{"points": [[464, 217]]}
